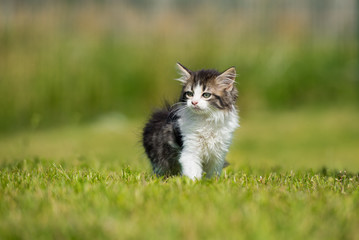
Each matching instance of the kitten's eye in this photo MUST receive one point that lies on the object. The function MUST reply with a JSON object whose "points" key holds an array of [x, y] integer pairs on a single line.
{"points": [[206, 95], [189, 94]]}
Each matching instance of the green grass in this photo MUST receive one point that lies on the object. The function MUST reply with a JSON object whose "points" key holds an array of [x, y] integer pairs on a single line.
{"points": [[46, 201], [293, 175]]}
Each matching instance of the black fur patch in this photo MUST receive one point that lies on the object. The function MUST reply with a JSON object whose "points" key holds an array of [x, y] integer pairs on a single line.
{"points": [[162, 141]]}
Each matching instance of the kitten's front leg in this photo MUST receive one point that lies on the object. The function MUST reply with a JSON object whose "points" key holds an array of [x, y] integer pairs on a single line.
{"points": [[214, 168], [191, 165]]}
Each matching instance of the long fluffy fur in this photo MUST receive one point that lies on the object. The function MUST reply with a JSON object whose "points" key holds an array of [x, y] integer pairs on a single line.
{"points": [[190, 138]]}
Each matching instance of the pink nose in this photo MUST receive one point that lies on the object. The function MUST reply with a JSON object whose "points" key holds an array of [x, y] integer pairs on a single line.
{"points": [[194, 102]]}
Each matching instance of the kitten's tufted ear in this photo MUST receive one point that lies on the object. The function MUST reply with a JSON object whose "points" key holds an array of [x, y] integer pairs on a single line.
{"points": [[226, 79], [184, 72]]}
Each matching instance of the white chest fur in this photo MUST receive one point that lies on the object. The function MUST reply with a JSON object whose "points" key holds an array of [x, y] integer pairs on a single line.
{"points": [[206, 140]]}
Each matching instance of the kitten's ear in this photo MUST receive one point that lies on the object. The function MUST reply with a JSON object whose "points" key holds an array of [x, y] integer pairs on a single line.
{"points": [[226, 79], [184, 72]]}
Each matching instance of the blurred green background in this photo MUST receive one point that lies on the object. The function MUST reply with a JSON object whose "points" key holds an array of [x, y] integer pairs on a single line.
{"points": [[79, 79], [67, 63]]}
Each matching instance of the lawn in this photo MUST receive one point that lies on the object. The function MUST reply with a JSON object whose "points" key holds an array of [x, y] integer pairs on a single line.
{"points": [[293, 175]]}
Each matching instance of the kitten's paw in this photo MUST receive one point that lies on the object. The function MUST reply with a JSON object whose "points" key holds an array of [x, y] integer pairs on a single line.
{"points": [[193, 175], [194, 178]]}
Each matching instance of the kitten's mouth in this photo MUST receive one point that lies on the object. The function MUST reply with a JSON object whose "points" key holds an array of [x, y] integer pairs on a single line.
{"points": [[197, 109]]}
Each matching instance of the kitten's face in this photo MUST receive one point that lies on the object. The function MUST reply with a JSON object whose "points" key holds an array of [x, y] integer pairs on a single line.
{"points": [[206, 91]]}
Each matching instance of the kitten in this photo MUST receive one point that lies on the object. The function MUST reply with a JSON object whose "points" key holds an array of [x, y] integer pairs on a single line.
{"points": [[192, 137]]}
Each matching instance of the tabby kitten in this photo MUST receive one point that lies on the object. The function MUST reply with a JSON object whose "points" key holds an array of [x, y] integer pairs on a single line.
{"points": [[192, 137]]}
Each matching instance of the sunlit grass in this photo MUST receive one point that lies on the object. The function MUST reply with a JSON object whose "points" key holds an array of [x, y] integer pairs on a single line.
{"points": [[292, 175], [298, 139], [306, 138], [42, 200]]}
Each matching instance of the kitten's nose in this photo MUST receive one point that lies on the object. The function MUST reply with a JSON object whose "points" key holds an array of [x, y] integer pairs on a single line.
{"points": [[194, 102]]}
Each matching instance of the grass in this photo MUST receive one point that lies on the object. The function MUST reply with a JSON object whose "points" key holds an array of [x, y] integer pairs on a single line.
{"points": [[46, 201], [292, 175]]}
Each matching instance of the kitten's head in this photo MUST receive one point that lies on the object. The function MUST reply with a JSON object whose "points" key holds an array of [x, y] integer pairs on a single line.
{"points": [[208, 90]]}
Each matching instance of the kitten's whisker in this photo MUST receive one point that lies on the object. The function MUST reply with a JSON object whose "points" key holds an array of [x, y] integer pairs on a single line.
{"points": [[178, 110], [181, 110], [174, 110], [179, 103]]}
